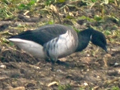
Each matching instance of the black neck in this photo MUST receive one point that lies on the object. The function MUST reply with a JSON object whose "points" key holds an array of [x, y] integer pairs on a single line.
{"points": [[84, 38]]}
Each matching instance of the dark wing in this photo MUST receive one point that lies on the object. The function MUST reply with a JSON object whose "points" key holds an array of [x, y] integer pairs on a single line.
{"points": [[43, 34]]}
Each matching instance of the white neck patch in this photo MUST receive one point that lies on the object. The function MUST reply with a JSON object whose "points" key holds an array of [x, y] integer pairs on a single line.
{"points": [[91, 37]]}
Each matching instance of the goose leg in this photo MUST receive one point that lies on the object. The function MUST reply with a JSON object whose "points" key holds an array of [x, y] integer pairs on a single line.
{"points": [[47, 60], [62, 63], [58, 62], [52, 61], [52, 64]]}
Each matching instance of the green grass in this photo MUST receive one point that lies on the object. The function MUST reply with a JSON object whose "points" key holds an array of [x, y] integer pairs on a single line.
{"points": [[72, 10], [65, 87]]}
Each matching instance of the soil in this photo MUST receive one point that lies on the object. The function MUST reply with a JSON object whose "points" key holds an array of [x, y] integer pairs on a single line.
{"points": [[91, 69], [86, 69]]}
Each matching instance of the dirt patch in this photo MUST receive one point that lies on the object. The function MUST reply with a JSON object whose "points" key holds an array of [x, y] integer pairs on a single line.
{"points": [[20, 71], [91, 69]]}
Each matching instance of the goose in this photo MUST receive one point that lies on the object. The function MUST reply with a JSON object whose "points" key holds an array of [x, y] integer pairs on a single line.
{"points": [[57, 41]]}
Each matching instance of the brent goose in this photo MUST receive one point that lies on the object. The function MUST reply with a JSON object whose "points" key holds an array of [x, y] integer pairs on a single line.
{"points": [[56, 41]]}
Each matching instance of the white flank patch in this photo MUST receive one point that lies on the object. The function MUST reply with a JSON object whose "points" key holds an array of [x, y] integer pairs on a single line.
{"points": [[65, 44], [63, 47], [29, 46]]}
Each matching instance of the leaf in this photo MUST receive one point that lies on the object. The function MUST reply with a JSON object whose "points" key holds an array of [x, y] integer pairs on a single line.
{"points": [[93, 1], [53, 8], [97, 18], [32, 2], [51, 22], [61, 1], [106, 1], [21, 6], [107, 32]]}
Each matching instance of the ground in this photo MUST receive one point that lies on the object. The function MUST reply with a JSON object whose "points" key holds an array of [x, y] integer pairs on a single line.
{"points": [[91, 69]]}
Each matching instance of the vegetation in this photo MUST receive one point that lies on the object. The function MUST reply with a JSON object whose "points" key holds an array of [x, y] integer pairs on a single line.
{"points": [[20, 15]]}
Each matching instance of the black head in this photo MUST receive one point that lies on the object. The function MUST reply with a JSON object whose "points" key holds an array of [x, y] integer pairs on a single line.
{"points": [[92, 35], [99, 39]]}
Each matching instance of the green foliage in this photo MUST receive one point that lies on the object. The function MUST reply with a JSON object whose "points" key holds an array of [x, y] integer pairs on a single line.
{"points": [[81, 89], [51, 22], [98, 18], [115, 88], [107, 32], [87, 18], [9, 8], [48, 2], [27, 6], [65, 87], [5, 11], [11, 44], [93, 1], [67, 9]]}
